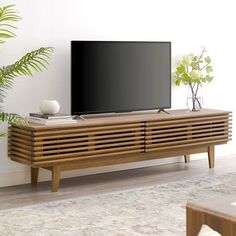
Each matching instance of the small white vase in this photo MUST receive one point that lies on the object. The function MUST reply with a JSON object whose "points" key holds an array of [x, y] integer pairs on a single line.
{"points": [[50, 107]]}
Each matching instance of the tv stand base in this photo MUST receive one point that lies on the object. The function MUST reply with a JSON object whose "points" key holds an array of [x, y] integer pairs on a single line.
{"points": [[162, 110], [103, 141], [57, 169], [82, 118]]}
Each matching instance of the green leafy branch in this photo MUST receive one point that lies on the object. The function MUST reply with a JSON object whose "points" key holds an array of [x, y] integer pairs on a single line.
{"points": [[193, 71], [33, 61], [7, 13]]}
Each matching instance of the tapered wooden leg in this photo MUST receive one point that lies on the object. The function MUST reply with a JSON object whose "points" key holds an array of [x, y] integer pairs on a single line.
{"points": [[34, 175], [187, 158], [56, 173], [211, 156]]}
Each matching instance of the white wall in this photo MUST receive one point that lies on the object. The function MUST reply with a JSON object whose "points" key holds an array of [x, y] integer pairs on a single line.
{"points": [[188, 24]]}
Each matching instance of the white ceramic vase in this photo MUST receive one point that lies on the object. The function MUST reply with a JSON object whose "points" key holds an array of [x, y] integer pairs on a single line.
{"points": [[50, 107]]}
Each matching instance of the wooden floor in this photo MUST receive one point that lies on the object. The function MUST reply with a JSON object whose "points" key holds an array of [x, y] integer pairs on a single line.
{"points": [[23, 195]]}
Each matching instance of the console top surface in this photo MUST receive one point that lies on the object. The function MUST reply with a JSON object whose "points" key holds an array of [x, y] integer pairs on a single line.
{"points": [[131, 118]]}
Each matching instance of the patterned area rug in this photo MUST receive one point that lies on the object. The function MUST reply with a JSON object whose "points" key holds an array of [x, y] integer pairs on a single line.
{"points": [[156, 210]]}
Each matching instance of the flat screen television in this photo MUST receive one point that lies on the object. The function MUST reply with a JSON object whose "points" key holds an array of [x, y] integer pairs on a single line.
{"points": [[120, 76]]}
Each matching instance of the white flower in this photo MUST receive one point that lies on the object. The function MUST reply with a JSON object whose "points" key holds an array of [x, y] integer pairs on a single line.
{"points": [[187, 60], [196, 74]]}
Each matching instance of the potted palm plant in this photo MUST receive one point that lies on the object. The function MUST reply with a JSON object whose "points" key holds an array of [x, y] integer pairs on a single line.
{"points": [[36, 60]]}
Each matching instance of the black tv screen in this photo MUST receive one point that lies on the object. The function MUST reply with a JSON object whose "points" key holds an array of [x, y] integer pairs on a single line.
{"points": [[112, 76]]}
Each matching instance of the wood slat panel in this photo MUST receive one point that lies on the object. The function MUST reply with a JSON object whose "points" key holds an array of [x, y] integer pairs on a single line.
{"points": [[226, 125], [66, 140], [185, 121], [190, 123], [21, 150], [189, 137], [188, 130], [19, 154], [66, 160], [89, 133], [132, 157], [26, 142], [18, 129], [20, 145], [87, 129], [186, 141], [60, 143], [88, 147], [218, 141], [84, 142], [21, 136], [14, 157], [79, 155]]}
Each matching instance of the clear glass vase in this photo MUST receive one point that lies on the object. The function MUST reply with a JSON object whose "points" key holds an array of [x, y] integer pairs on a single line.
{"points": [[195, 98]]}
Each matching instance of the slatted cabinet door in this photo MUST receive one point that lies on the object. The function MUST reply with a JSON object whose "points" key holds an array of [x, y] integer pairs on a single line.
{"points": [[76, 143], [187, 132]]}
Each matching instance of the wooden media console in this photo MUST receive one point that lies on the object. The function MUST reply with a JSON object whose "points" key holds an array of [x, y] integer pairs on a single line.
{"points": [[101, 141]]}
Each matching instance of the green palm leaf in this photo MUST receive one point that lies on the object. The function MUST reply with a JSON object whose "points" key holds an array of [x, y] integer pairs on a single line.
{"points": [[33, 61], [7, 14], [11, 118]]}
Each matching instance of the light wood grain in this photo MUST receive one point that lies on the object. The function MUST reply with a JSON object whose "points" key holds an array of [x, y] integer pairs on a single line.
{"points": [[71, 158], [211, 156], [82, 134], [34, 175], [56, 172], [218, 142], [217, 213], [130, 118], [217, 118], [226, 125], [104, 137]]}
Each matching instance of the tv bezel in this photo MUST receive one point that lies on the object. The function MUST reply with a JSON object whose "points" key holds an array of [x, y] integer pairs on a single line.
{"points": [[121, 111]]}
